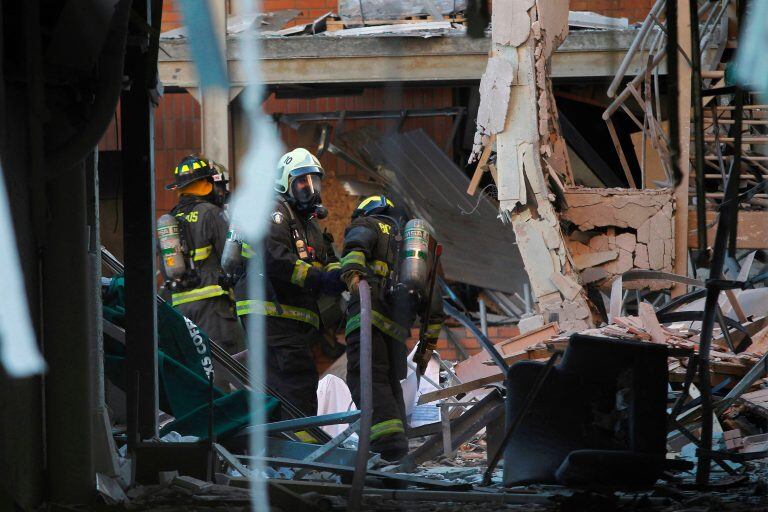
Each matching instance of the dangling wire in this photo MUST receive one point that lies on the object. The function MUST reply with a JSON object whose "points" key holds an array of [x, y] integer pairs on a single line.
{"points": [[493, 192]]}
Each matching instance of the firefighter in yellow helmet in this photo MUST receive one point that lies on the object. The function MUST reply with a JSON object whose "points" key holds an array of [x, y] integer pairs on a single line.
{"points": [[371, 247], [300, 266], [201, 185]]}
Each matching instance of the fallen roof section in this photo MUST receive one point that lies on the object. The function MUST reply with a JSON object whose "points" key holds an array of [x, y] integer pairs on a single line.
{"points": [[479, 249]]}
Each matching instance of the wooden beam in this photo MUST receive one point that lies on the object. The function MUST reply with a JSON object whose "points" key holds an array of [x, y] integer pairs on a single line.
{"points": [[752, 230], [466, 387], [481, 166], [684, 120]]}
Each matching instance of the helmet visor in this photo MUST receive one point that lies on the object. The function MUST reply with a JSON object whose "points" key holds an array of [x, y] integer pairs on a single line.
{"points": [[306, 187]]}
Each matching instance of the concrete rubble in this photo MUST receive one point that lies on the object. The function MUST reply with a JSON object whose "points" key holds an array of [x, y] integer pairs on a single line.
{"points": [[454, 480]]}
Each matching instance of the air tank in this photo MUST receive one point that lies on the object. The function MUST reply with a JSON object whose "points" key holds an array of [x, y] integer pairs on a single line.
{"points": [[418, 240], [231, 256], [169, 238]]}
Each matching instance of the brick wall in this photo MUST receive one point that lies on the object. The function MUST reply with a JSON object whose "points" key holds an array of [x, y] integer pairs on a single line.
{"points": [[177, 134], [466, 338], [635, 10], [171, 15]]}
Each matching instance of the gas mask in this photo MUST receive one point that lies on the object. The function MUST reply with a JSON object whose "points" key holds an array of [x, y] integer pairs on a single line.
{"points": [[305, 192], [220, 187]]}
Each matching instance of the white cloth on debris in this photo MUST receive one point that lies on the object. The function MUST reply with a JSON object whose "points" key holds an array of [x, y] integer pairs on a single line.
{"points": [[418, 415], [333, 396]]}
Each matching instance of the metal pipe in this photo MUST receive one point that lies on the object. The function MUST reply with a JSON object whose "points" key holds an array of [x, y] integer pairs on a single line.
{"points": [[527, 296], [657, 59], [482, 338], [647, 24], [137, 129], [483, 317], [366, 398]]}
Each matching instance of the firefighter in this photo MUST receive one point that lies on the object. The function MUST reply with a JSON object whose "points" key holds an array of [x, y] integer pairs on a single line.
{"points": [[201, 185], [300, 266], [371, 246]]}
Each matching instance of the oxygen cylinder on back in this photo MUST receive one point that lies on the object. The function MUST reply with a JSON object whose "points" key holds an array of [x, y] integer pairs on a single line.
{"points": [[418, 241], [171, 251], [231, 256]]}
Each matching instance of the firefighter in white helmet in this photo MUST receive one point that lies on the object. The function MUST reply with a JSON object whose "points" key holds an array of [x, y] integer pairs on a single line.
{"points": [[300, 266]]}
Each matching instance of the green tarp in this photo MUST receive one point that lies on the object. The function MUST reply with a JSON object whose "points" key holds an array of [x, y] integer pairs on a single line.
{"points": [[184, 366]]}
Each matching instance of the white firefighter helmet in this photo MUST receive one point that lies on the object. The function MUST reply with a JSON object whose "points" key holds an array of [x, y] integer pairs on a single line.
{"points": [[294, 164]]}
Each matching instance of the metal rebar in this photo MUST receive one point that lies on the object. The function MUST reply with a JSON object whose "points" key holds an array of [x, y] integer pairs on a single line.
{"points": [[724, 226], [698, 123], [483, 317], [647, 24]]}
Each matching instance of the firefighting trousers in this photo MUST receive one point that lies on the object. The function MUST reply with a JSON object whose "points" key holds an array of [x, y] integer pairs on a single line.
{"points": [[388, 367], [216, 317], [291, 370]]}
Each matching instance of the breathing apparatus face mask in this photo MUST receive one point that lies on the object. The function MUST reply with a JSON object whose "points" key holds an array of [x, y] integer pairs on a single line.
{"points": [[305, 191]]}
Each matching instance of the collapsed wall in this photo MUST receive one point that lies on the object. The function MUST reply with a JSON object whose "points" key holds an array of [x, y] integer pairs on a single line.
{"points": [[612, 231], [568, 236]]}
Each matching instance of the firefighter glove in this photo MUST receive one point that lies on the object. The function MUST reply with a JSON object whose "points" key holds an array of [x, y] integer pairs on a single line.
{"points": [[331, 283], [351, 278]]}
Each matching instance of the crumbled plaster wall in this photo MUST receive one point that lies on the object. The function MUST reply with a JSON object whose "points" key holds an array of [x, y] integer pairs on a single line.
{"points": [[568, 236], [530, 150], [616, 230]]}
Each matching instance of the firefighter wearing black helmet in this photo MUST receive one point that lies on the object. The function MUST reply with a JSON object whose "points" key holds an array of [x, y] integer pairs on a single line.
{"points": [[371, 245], [300, 266], [201, 186]]}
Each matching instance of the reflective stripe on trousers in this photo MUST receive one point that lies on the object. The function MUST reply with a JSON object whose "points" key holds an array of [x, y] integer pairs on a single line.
{"points": [[382, 323], [260, 307], [206, 292], [386, 428]]}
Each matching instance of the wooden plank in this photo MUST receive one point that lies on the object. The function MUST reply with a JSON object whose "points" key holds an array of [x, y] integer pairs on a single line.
{"points": [[654, 169], [569, 288], [591, 259], [465, 387], [497, 376], [481, 166], [736, 306], [651, 323], [683, 78], [620, 152], [752, 230], [525, 340]]}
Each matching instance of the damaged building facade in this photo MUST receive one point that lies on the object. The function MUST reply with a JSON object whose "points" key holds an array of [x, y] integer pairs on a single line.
{"points": [[602, 269]]}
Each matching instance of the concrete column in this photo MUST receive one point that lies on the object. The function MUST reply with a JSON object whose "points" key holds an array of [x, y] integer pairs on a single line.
{"points": [[215, 102]]}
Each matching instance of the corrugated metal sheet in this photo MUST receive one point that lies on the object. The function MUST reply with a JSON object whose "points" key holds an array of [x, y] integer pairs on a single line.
{"points": [[478, 248]]}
